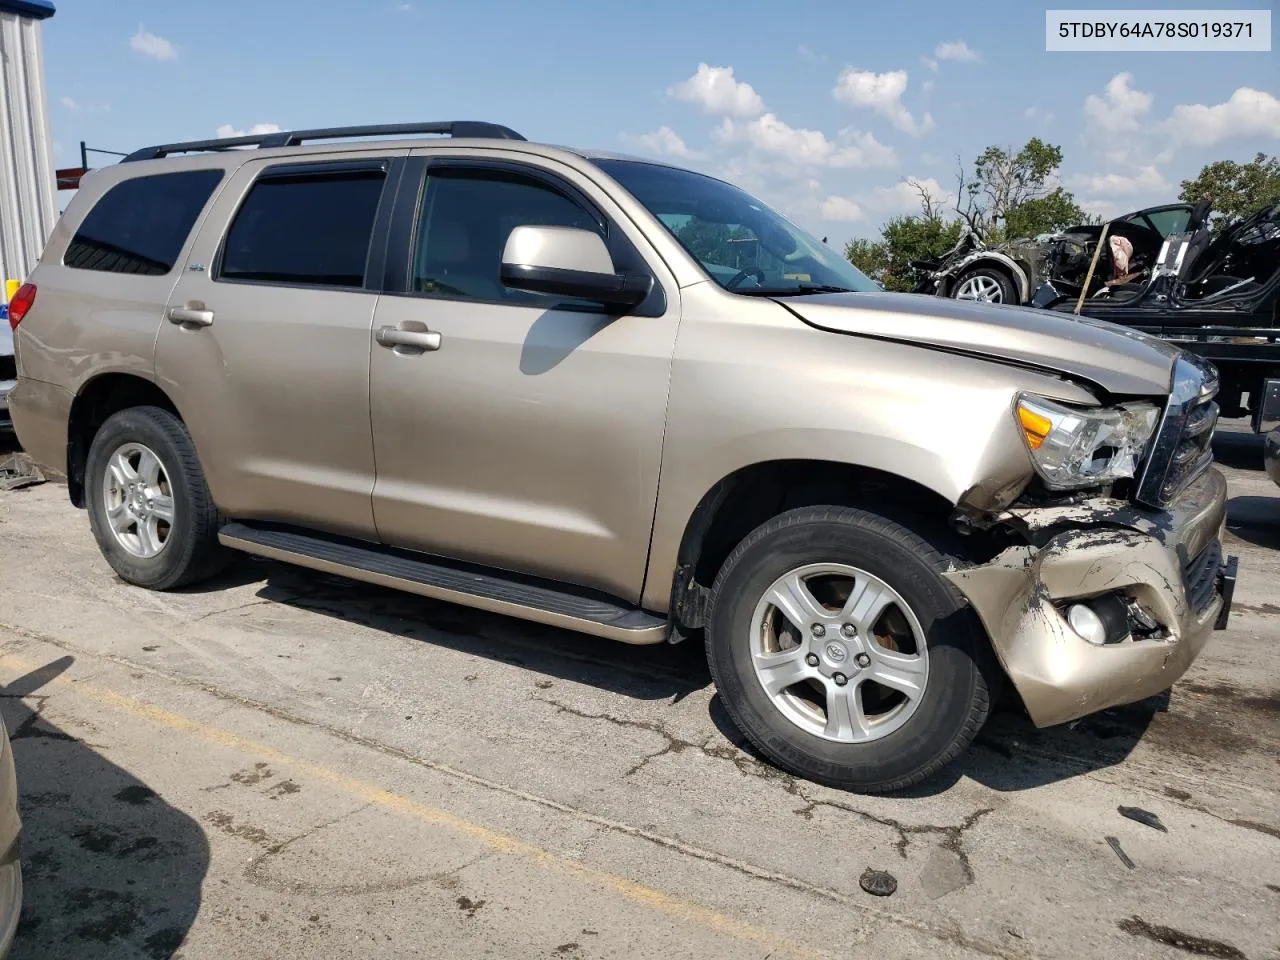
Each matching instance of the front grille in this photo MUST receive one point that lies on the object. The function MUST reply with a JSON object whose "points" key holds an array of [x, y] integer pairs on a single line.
{"points": [[1200, 576], [1183, 445]]}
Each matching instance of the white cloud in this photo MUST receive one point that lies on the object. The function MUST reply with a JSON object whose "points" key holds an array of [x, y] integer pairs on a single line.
{"points": [[149, 45], [956, 50], [903, 197], [717, 91], [928, 85], [665, 142], [77, 106], [1100, 208], [227, 130], [1147, 180], [1038, 115], [1121, 109], [840, 208], [1248, 113], [809, 53], [931, 63], [881, 92], [806, 148]]}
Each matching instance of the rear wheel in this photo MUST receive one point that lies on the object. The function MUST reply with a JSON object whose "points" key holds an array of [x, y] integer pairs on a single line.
{"points": [[149, 506], [985, 285], [841, 652]]}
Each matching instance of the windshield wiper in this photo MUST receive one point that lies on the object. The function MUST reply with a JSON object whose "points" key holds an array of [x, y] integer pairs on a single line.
{"points": [[799, 290]]}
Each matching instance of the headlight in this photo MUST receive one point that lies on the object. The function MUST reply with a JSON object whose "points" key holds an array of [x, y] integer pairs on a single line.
{"points": [[1085, 447]]}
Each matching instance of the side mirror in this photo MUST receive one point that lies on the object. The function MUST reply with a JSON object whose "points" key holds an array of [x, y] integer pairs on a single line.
{"points": [[568, 262]]}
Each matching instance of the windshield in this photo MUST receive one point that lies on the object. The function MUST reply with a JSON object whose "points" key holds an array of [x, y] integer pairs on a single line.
{"points": [[742, 244]]}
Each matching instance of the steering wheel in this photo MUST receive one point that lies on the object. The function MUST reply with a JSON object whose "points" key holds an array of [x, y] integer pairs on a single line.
{"points": [[741, 275]]}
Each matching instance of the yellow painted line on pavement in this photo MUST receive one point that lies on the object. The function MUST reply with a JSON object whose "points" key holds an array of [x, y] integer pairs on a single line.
{"points": [[675, 907]]}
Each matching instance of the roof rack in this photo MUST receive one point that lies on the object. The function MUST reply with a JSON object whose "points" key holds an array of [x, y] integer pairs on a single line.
{"points": [[477, 129]]}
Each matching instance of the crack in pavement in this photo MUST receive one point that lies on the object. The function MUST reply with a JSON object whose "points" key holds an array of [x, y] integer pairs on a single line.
{"points": [[445, 879], [747, 765], [948, 932], [673, 743], [237, 607], [952, 835], [253, 871]]}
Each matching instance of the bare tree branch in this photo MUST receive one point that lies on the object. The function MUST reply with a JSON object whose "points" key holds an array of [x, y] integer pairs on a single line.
{"points": [[930, 208]]}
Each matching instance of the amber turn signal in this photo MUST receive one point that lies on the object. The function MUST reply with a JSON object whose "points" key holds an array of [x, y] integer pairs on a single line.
{"points": [[1034, 425]]}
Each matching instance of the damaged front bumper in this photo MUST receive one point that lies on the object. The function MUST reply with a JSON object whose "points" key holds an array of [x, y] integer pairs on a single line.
{"points": [[1167, 570]]}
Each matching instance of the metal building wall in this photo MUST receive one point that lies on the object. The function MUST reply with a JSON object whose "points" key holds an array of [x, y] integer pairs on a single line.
{"points": [[28, 205]]}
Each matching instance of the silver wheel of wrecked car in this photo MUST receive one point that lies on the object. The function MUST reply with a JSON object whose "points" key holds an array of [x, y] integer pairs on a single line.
{"points": [[980, 287], [839, 652]]}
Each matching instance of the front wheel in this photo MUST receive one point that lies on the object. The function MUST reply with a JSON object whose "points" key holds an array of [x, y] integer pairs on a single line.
{"points": [[985, 285], [841, 652]]}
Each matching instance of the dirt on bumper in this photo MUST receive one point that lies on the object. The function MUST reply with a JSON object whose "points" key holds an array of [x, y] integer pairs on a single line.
{"points": [[1085, 551]]}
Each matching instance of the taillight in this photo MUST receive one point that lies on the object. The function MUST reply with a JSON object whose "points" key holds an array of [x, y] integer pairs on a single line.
{"points": [[21, 303]]}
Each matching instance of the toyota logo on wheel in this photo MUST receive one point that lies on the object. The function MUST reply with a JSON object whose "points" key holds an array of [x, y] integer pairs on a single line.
{"points": [[836, 653]]}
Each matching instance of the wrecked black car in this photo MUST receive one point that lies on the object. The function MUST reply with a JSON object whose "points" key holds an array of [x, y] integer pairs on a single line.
{"points": [[1013, 271], [1218, 297], [1185, 277], [1161, 271]]}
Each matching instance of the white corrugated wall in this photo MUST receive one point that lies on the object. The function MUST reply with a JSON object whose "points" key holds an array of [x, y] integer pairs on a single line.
{"points": [[28, 207]]}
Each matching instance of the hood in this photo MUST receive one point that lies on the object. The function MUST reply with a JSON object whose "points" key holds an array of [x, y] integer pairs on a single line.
{"points": [[1119, 360]]}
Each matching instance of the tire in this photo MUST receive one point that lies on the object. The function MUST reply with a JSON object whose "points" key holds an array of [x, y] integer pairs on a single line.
{"points": [[986, 285], [167, 553], [955, 678]]}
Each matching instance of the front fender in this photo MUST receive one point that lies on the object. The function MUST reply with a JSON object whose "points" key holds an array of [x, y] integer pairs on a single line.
{"points": [[764, 386], [1007, 262]]}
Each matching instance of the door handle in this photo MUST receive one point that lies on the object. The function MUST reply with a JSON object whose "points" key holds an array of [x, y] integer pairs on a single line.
{"points": [[191, 316], [418, 339]]}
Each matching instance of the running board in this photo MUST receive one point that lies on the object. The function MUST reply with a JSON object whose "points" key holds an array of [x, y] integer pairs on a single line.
{"points": [[495, 591]]}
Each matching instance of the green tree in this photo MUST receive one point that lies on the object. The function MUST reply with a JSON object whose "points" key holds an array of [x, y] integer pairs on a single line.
{"points": [[1013, 194], [1054, 211], [1008, 194], [1235, 189], [871, 257], [903, 239]]}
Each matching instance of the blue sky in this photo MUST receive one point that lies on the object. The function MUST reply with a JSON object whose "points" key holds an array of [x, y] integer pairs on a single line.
{"points": [[821, 108]]}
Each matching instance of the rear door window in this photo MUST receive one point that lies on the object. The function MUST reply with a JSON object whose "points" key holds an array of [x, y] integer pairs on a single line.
{"points": [[140, 225], [301, 228]]}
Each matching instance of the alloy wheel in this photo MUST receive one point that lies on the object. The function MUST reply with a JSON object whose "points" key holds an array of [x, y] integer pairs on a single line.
{"points": [[839, 652], [981, 288], [139, 500]]}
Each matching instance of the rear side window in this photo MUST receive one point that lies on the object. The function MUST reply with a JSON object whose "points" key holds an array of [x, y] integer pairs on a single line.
{"points": [[309, 229], [140, 225]]}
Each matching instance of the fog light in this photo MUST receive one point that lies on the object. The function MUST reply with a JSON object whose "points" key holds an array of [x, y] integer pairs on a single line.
{"points": [[1102, 620], [1086, 623]]}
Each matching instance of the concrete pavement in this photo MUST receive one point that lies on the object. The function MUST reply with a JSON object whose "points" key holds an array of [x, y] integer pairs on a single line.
{"points": [[290, 764]]}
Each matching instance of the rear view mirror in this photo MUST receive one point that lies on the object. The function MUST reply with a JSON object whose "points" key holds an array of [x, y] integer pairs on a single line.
{"points": [[568, 262]]}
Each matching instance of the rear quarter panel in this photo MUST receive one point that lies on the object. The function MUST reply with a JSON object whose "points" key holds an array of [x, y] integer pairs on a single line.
{"points": [[88, 322]]}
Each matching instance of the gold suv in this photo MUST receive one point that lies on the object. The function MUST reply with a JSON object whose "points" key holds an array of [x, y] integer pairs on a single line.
{"points": [[631, 400]]}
